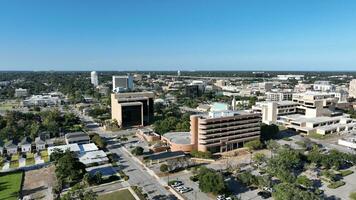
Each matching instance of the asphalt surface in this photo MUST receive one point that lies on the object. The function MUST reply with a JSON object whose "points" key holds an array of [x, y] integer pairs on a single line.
{"points": [[138, 176]]}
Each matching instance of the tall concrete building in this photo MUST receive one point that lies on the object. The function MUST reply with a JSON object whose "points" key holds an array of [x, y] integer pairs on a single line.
{"points": [[352, 88], [122, 83], [94, 78], [224, 131], [216, 132], [133, 108]]}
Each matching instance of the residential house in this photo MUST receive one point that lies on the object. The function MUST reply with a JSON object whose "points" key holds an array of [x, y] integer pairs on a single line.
{"points": [[25, 145], [40, 144], [11, 147]]}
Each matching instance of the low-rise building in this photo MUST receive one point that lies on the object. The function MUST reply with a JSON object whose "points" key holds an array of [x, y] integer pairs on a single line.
{"points": [[11, 147], [285, 77], [42, 100], [348, 142], [93, 158], [323, 86], [40, 144], [311, 112], [77, 137], [279, 96], [148, 135], [20, 92], [25, 145]]}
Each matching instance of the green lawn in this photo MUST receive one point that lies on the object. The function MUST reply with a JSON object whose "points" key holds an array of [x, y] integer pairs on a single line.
{"points": [[14, 164], [319, 136], [29, 155], [10, 184], [118, 195], [44, 155], [15, 157], [30, 161]]}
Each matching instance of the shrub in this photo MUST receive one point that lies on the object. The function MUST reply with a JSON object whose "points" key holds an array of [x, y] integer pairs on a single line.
{"points": [[336, 184], [194, 178], [253, 145], [163, 168], [200, 154], [346, 172]]}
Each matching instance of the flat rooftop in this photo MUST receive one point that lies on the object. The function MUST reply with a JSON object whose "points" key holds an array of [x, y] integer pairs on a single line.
{"points": [[303, 118], [178, 137]]}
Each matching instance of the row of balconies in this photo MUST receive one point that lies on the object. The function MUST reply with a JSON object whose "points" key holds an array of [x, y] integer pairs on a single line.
{"points": [[228, 119], [219, 136], [236, 122], [227, 128]]}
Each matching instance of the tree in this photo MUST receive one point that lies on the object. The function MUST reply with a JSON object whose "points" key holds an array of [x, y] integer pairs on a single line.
{"points": [[56, 155], [99, 141], [163, 168], [264, 181], [304, 181], [34, 129], [212, 182], [137, 151], [284, 164], [78, 192], [269, 131], [272, 145], [292, 192], [98, 178], [68, 168], [247, 178], [259, 158], [253, 145]]}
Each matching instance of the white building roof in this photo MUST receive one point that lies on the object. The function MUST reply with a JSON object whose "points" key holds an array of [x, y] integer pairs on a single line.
{"points": [[71, 147], [93, 157], [88, 147]]}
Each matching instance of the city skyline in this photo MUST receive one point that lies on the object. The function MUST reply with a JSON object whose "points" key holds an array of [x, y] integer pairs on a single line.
{"points": [[178, 35]]}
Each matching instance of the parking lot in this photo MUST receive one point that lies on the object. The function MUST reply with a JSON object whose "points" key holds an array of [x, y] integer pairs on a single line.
{"points": [[184, 177]]}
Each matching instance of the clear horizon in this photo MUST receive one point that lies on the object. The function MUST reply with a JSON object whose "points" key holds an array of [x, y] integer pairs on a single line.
{"points": [[175, 35]]}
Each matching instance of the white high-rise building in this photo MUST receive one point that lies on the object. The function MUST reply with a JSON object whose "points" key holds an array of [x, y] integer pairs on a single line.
{"points": [[352, 88], [122, 83], [94, 78], [178, 72]]}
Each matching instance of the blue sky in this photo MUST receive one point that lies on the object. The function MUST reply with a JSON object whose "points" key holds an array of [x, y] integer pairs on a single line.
{"points": [[178, 34]]}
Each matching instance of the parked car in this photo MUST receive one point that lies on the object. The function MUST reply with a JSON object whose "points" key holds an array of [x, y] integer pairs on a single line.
{"points": [[184, 189], [177, 184], [268, 189], [221, 197], [264, 194]]}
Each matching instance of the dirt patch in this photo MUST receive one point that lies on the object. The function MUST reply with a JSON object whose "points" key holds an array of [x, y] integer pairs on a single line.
{"points": [[38, 183]]}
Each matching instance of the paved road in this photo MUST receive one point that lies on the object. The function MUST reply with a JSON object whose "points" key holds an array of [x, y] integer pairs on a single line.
{"points": [[106, 188], [138, 175]]}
